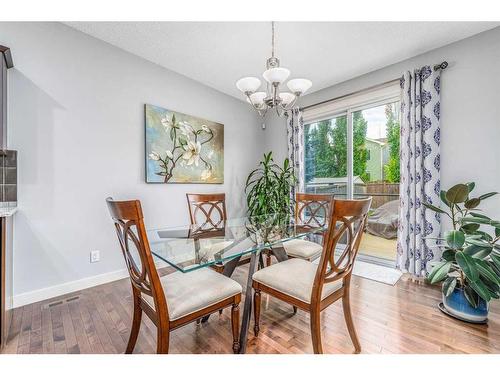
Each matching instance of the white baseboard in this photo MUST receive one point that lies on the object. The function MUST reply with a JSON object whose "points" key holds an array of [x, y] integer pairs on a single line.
{"points": [[72, 286]]}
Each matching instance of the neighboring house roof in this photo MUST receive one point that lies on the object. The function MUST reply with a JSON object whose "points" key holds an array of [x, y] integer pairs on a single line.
{"points": [[333, 180], [381, 141]]}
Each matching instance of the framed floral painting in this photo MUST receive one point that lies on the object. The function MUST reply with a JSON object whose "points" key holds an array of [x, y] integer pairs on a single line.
{"points": [[183, 149]]}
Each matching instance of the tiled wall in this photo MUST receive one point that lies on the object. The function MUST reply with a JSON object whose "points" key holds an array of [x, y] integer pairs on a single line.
{"points": [[8, 178]]}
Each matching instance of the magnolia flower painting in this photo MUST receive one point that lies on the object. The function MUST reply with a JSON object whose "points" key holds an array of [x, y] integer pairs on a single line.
{"points": [[183, 149]]}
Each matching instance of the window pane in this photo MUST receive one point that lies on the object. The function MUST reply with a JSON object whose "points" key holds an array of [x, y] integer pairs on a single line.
{"points": [[326, 156], [376, 174]]}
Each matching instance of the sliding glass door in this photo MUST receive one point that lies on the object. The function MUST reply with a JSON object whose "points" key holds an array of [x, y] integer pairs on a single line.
{"points": [[354, 154], [325, 156]]}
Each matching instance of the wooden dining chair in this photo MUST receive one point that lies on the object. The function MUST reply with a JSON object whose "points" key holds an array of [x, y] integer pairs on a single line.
{"points": [[173, 300], [207, 212], [311, 210], [313, 287]]}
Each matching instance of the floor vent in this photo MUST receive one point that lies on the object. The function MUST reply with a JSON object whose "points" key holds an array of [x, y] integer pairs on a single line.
{"points": [[60, 302]]}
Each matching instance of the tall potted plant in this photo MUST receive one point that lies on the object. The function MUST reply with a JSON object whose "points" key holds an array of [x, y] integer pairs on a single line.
{"points": [[268, 187], [470, 265]]}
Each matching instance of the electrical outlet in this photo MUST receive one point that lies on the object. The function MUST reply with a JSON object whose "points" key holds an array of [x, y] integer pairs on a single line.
{"points": [[95, 256]]}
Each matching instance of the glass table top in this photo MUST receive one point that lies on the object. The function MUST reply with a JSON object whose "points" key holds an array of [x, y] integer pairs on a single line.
{"points": [[190, 247]]}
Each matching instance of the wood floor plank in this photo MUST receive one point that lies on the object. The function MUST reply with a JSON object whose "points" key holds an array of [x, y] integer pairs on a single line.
{"points": [[36, 342], [47, 337], [99, 325], [24, 337], [69, 330], [79, 329], [58, 329], [90, 330], [389, 319]]}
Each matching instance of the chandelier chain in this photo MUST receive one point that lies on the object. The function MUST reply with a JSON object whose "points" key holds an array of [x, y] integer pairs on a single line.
{"points": [[272, 41]]}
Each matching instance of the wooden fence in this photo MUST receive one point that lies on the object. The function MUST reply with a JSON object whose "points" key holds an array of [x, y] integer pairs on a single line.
{"points": [[382, 192]]}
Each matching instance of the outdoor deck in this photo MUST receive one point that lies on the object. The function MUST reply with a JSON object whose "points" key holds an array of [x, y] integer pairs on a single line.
{"points": [[378, 247]]}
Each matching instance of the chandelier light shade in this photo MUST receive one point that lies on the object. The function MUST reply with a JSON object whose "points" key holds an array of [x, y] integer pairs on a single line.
{"points": [[248, 84], [274, 77], [257, 98], [299, 85], [286, 98]]}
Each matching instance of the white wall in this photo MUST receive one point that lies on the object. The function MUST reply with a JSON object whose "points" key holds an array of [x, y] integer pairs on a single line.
{"points": [[76, 115], [470, 110]]}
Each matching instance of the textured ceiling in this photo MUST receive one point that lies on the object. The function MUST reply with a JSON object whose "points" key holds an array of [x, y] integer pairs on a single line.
{"points": [[219, 53]]}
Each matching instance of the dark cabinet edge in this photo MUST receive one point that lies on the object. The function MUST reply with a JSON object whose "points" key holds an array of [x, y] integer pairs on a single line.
{"points": [[7, 55]]}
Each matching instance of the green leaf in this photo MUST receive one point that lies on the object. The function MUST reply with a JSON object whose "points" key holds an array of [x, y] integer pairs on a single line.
{"points": [[487, 195], [434, 208], [496, 260], [457, 194], [472, 203], [475, 214], [442, 195], [495, 268], [475, 220], [494, 288], [485, 270], [448, 255], [484, 236], [471, 296], [470, 228], [467, 265], [449, 286], [439, 272], [470, 186], [477, 251], [479, 243], [455, 239], [480, 289]]}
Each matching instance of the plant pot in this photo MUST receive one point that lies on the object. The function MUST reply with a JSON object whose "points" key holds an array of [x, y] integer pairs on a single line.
{"points": [[457, 306]]}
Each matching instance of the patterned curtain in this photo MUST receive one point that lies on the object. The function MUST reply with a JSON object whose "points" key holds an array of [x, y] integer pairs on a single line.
{"points": [[295, 138], [419, 170]]}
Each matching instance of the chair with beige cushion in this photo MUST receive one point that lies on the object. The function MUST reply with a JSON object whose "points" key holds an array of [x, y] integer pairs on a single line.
{"points": [[313, 287], [173, 300], [311, 210], [207, 213]]}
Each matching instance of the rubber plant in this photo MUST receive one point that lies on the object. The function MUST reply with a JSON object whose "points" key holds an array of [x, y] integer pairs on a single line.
{"points": [[268, 187], [471, 256]]}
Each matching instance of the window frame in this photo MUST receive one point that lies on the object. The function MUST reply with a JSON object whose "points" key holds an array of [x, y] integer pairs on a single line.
{"points": [[346, 106]]}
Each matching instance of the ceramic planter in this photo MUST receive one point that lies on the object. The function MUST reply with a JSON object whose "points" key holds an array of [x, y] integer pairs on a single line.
{"points": [[457, 306]]}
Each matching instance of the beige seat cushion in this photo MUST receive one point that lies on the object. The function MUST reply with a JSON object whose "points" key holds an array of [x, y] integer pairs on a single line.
{"points": [[218, 246], [193, 291], [294, 277], [303, 249]]}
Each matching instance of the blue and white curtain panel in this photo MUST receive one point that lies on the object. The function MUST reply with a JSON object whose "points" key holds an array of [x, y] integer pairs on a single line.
{"points": [[420, 170], [295, 139]]}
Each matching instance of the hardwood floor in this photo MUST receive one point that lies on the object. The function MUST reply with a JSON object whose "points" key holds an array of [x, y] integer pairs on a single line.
{"points": [[389, 319]]}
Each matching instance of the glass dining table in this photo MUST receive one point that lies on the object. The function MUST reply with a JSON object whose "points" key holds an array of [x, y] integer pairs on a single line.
{"points": [[225, 243]]}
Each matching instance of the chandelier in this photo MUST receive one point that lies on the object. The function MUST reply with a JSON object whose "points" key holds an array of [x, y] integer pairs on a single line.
{"points": [[275, 76]]}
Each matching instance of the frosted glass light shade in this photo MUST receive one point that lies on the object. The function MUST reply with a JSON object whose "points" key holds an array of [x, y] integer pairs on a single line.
{"points": [[257, 98], [248, 84], [286, 98], [299, 85], [276, 75]]}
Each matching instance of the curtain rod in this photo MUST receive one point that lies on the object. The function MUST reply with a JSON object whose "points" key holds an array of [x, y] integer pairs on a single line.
{"points": [[441, 66]]}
